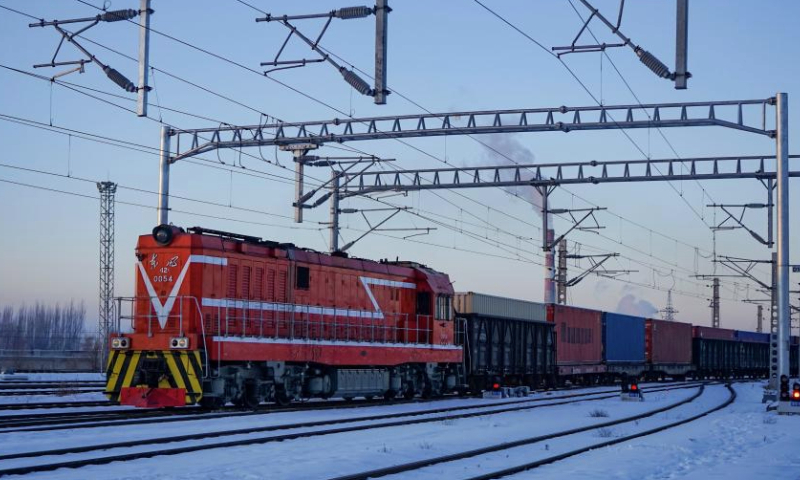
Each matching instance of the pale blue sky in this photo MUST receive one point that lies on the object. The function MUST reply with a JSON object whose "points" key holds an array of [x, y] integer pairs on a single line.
{"points": [[444, 56]]}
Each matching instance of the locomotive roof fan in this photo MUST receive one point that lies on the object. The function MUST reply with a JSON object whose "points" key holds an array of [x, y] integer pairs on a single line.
{"points": [[164, 234]]}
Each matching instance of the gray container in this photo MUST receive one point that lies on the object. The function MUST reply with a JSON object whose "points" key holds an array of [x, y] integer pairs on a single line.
{"points": [[500, 307]]}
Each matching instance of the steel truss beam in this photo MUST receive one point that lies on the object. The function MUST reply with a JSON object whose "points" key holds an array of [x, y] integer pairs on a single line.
{"points": [[745, 115], [551, 174]]}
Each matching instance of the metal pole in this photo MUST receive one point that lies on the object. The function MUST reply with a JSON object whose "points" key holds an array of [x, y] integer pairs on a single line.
{"points": [[163, 178], [681, 44], [334, 229], [770, 208], [299, 168], [715, 303], [774, 351], [782, 179], [381, 25], [760, 316], [144, 56], [562, 272]]}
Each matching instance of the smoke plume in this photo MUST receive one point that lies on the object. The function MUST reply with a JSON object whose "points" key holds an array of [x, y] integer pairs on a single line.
{"points": [[502, 147], [630, 305]]}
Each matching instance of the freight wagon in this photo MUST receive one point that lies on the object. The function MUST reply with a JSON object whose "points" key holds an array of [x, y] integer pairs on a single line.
{"points": [[668, 349], [579, 343], [715, 352], [505, 340], [623, 344], [753, 353]]}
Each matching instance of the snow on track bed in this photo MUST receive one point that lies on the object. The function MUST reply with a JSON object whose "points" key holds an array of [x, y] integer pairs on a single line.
{"points": [[740, 442], [127, 416], [355, 428]]}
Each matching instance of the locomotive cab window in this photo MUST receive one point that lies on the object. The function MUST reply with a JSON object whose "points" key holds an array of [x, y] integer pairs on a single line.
{"points": [[303, 277], [423, 303], [444, 307]]}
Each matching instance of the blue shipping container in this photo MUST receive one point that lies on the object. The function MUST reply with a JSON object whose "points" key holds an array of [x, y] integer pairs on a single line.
{"points": [[623, 338], [753, 337]]}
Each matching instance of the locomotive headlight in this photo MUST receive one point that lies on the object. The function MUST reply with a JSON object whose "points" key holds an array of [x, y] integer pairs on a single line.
{"points": [[120, 343], [163, 235], [179, 342]]}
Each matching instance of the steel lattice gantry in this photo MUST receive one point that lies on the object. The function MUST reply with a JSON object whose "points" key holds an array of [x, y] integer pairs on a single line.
{"points": [[563, 173], [745, 115], [106, 311]]}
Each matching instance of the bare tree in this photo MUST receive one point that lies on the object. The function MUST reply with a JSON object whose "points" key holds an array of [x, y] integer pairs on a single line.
{"points": [[42, 327]]}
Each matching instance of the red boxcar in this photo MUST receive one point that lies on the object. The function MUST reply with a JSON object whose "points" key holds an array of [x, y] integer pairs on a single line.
{"points": [[668, 347], [712, 333], [579, 339], [221, 317]]}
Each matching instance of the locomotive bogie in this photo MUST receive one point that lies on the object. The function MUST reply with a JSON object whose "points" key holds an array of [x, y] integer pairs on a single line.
{"points": [[250, 384]]}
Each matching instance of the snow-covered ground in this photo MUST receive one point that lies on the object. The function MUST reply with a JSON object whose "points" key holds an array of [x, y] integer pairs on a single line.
{"points": [[741, 441], [55, 377]]}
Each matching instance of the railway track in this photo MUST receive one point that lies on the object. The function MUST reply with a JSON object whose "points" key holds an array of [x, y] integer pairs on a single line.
{"points": [[66, 391], [50, 385], [40, 405], [340, 426], [94, 419], [501, 447]]}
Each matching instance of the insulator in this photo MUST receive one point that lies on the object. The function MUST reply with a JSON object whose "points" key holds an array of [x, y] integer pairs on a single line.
{"points": [[652, 63], [347, 13], [119, 79], [357, 82], [118, 15]]}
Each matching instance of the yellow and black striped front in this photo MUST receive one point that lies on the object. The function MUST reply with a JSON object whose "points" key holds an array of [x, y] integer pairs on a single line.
{"points": [[155, 370]]}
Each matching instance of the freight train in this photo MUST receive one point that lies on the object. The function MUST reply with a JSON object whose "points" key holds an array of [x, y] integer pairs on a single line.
{"points": [[527, 343], [219, 317]]}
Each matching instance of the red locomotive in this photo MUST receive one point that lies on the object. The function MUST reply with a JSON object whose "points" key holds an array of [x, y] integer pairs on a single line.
{"points": [[219, 317]]}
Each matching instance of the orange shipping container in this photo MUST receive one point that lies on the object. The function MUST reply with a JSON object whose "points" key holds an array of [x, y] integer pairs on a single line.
{"points": [[668, 342]]}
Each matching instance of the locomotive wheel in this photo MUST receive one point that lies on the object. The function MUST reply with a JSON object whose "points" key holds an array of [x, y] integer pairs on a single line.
{"points": [[281, 398], [409, 392], [211, 403], [389, 395], [250, 395]]}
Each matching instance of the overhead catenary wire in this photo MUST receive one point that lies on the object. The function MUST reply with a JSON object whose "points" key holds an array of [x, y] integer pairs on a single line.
{"points": [[83, 2], [589, 92], [188, 44], [329, 52], [221, 58], [408, 99]]}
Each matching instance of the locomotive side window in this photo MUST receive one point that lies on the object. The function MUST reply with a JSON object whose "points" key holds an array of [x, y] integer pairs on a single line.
{"points": [[303, 278], [444, 304], [423, 303]]}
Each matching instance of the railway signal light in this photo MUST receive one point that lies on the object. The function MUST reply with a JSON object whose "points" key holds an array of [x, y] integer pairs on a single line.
{"points": [[796, 392], [634, 386], [784, 389]]}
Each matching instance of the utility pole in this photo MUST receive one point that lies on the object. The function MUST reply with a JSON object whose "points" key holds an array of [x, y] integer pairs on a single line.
{"points": [[561, 284], [782, 244], [760, 325], [334, 213], [715, 302], [106, 311], [144, 57]]}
